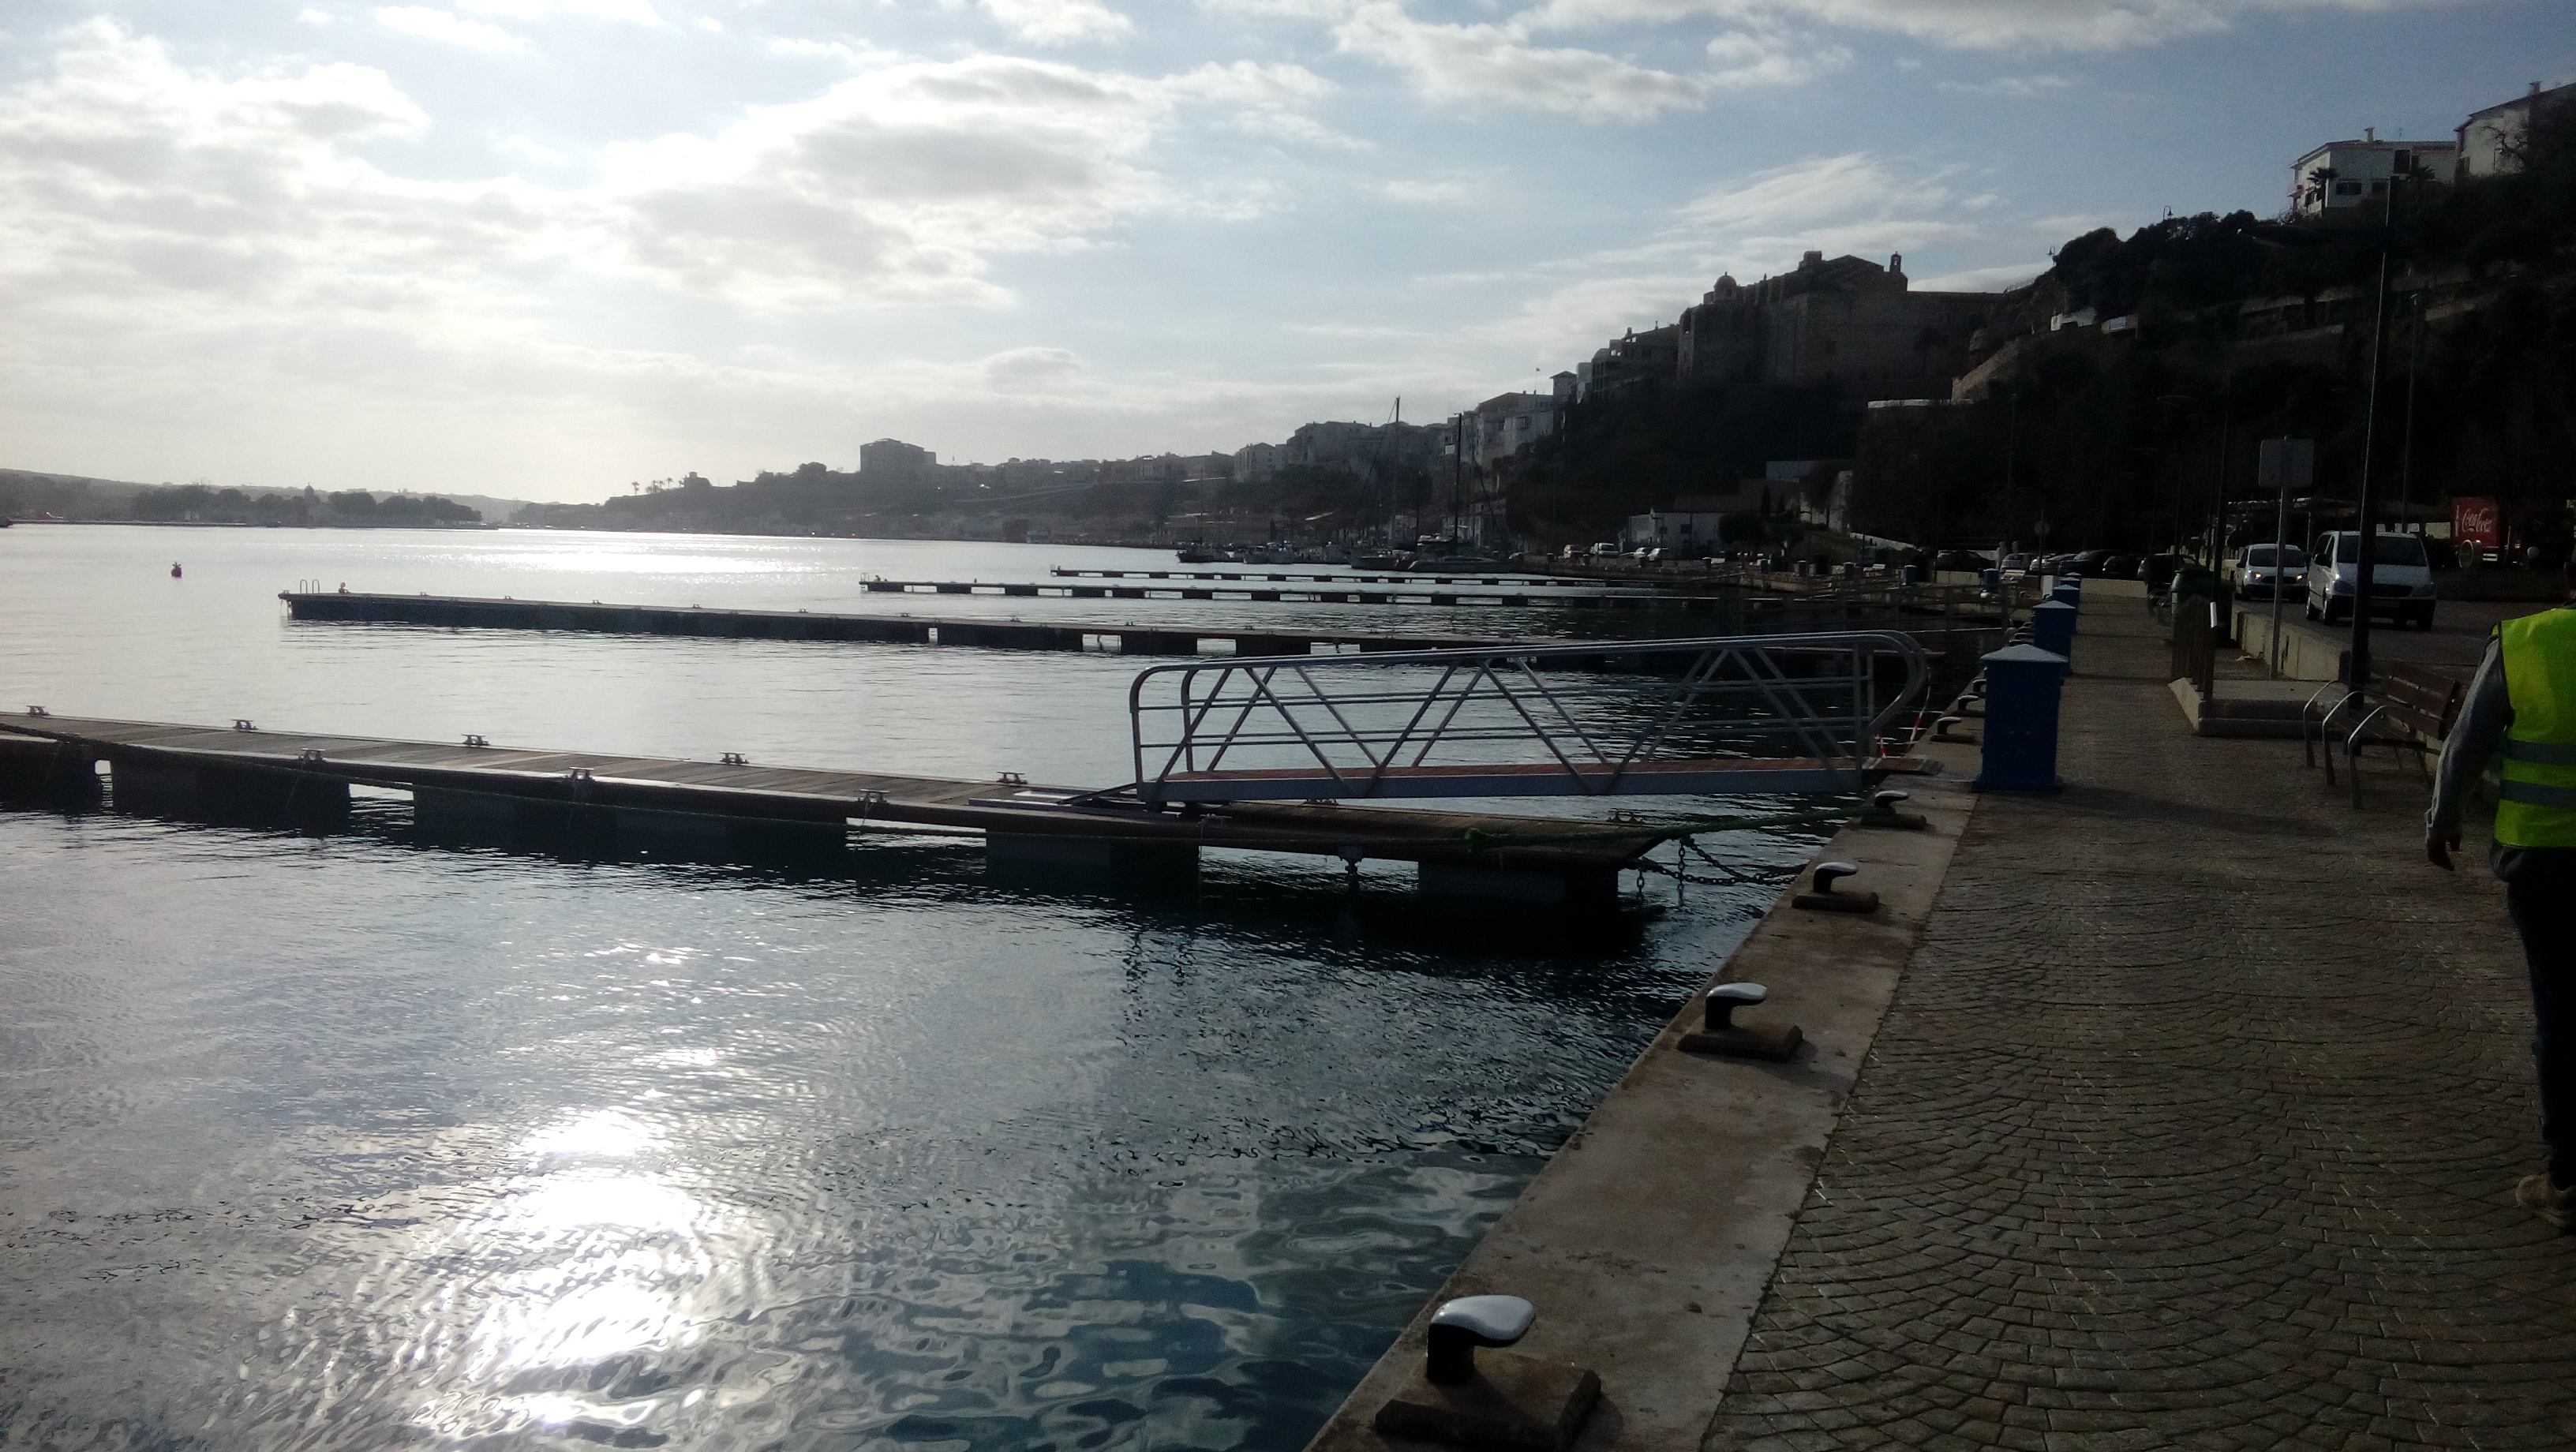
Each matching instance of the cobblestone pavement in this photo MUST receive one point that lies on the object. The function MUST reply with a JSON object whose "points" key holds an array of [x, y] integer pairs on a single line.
{"points": [[2193, 1125]]}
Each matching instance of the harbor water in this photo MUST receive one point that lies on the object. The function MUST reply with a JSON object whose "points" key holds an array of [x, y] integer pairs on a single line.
{"points": [[346, 1141]]}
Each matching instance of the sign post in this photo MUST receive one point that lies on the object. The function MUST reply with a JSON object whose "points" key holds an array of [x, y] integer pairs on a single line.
{"points": [[2281, 466]]}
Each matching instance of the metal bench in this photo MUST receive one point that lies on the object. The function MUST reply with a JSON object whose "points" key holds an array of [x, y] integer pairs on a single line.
{"points": [[2414, 710]]}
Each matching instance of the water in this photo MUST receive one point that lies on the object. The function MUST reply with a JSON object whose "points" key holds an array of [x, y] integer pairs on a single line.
{"points": [[348, 1142]]}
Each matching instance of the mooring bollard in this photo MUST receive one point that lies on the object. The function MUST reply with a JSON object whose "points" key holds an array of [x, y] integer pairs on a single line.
{"points": [[1503, 1401], [2052, 628], [1883, 812], [2069, 591], [1823, 899], [1719, 1033], [2020, 735]]}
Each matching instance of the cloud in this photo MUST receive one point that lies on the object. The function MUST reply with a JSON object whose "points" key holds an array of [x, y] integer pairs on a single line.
{"points": [[2094, 25], [1479, 62], [633, 12], [1499, 62], [1982, 279], [126, 174], [1058, 22], [1018, 370], [1813, 191], [1856, 202], [447, 26], [2012, 87]]}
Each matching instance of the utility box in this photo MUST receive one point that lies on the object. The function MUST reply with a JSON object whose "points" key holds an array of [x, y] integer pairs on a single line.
{"points": [[2052, 629], [2020, 732]]}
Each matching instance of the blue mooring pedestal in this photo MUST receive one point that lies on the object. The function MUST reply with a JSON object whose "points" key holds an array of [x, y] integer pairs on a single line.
{"points": [[2052, 628], [2068, 590], [2020, 735]]}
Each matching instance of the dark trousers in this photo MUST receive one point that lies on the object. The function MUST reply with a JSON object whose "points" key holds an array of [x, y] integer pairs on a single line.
{"points": [[2544, 912]]}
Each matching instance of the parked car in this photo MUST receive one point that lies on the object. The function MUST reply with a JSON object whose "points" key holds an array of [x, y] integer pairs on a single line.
{"points": [[2015, 564], [2401, 583], [1960, 560], [2255, 575], [1607, 549], [2120, 567]]}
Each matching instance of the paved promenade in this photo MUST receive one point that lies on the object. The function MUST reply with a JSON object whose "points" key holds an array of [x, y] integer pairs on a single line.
{"points": [[2192, 1125]]}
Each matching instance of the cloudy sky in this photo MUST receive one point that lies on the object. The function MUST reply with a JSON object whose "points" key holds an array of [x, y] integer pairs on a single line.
{"points": [[543, 248]]}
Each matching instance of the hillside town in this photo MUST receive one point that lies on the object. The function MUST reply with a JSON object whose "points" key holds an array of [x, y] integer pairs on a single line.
{"points": [[1837, 396]]}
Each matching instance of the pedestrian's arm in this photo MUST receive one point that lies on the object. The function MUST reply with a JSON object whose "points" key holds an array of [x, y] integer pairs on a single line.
{"points": [[2473, 741]]}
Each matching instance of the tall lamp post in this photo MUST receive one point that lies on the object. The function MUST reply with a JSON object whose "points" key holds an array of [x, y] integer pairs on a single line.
{"points": [[2366, 576]]}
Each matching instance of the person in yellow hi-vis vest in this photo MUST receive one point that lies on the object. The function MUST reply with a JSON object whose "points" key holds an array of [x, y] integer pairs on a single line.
{"points": [[2522, 708]]}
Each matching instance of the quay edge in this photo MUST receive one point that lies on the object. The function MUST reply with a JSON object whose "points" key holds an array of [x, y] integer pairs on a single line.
{"points": [[1648, 1240]]}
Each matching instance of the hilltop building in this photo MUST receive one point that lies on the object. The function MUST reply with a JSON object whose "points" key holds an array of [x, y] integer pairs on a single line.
{"points": [[894, 462], [1847, 321], [2490, 141], [1637, 360], [2344, 174], [1256, 462]]}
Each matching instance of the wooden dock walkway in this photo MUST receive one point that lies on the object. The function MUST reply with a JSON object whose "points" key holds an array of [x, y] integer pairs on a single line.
{"points": [[473, 793]]}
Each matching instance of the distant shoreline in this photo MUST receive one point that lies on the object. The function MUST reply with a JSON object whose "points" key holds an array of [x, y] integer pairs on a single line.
{"points": [[243, 524]]}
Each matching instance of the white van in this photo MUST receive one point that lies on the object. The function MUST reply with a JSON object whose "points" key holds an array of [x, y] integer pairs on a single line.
{"points": [[2401, 586]]}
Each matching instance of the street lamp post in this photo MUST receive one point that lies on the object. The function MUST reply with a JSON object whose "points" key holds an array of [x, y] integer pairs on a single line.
{"points": [[2365, 578]]}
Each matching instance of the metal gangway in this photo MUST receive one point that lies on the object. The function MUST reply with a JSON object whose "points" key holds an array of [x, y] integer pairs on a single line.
{"points": [[1803, 713]]}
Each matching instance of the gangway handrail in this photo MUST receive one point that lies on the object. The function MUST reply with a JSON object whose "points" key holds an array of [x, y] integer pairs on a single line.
{"points": [[1343, 738]]}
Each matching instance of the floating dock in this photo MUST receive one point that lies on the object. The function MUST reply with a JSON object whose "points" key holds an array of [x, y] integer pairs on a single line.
{"points": [[1281, 578], [591, 803], [1339, 592], [1744, 615], [1117, 637]]}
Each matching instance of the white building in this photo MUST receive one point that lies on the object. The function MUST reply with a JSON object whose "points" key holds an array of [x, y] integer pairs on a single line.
{"points": [[2490, 141], [1255, 462], [1690, 532], [2345, 174]]}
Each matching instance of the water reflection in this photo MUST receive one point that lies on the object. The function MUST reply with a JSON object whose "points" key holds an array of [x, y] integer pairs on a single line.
{"points": [[355, 1142]]}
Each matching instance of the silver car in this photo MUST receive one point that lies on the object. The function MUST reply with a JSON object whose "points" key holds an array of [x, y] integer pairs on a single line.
{"points": [[2257, 575]]}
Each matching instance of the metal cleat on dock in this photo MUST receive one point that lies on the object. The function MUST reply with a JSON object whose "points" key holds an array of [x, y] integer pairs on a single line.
{"points": [[1823, 899], [1719, 1033], [1882, 813], [242, 723], [1500, 1401]]}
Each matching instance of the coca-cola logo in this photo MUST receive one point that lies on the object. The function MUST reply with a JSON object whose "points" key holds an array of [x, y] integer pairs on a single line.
{"points": [[2474, 520]]}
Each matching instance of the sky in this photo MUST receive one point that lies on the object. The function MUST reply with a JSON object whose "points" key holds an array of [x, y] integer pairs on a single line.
{"points": [[548, 248]]}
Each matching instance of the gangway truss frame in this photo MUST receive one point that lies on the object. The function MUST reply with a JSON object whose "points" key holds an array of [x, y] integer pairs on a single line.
{"points": [[1296, 728]]}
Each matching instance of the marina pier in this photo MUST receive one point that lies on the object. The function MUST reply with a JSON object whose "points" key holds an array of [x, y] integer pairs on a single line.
{"points": [[1122, 638], [1909, 608], [595, 804]]}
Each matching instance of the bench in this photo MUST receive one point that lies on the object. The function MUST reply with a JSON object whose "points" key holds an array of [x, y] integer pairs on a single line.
{"points": [[2413, 710]]}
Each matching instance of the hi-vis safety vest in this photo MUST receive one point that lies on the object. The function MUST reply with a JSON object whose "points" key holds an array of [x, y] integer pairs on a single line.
{"points": [[2537, 806]]}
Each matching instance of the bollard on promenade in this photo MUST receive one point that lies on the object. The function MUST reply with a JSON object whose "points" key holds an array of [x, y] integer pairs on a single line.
{"points": [[2052, 628], [2020, 736], [1502, 1401]]}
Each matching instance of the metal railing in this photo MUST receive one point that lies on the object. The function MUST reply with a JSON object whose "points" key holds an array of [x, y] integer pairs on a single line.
{"points": [[1765, 713]]}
